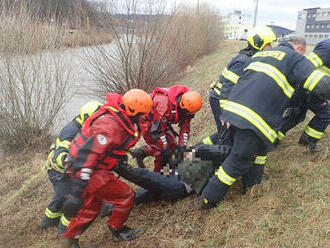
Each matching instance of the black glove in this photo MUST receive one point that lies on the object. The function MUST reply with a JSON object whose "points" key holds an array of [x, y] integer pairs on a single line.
{"points": [[72, 205], [166, 155]]}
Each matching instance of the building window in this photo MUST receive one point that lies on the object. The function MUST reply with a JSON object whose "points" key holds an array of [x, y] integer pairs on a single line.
{"points": [[316, 26], [314, 15], [309, 16], [328, 25], [307, 26], [312, 26], [322, 26]]}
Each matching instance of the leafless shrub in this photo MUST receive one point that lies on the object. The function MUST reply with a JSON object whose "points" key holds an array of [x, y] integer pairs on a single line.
{"points": [[33, 88], [150, 46]]}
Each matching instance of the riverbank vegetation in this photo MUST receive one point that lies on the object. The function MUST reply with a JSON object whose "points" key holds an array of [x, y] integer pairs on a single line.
{"points": [[152, 44]]}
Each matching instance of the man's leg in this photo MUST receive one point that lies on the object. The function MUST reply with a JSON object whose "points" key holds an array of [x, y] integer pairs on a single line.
{"points": [[241, 158], [62, 185], [216, 110]]}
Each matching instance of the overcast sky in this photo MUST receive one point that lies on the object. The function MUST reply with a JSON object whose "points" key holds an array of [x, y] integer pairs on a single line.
{"points": [[277, 12]]}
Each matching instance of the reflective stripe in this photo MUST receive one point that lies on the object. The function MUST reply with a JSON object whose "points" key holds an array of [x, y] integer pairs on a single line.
{"points": [[224, 177], [275, 74], [59, 160], [280, 135], [64, 221], [261, 160], [216, 86], [313, 79], [325, 70], [62, 143], [313, 133], [231, 76], [52, 215], [315, 59], [185, 138], [252, 117], [85, 173], [207, 141]]}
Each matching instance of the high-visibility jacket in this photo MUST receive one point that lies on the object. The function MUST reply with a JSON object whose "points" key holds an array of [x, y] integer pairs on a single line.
{"points": [[60, 149], [166, 112], [229, 76], [301, 100], [263, 91], [320, 57], [104, 139]]}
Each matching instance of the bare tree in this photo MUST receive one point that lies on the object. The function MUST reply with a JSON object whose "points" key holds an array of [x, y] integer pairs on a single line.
{"points": [[151, 45], [33, 88]]}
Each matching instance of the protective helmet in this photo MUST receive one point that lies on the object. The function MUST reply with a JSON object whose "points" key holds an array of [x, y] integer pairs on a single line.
{"points": [[260, 37], [191, 101], [137, 101]]}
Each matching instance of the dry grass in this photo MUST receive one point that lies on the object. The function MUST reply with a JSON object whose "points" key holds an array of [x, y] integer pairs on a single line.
{"points": [[291, 210]]}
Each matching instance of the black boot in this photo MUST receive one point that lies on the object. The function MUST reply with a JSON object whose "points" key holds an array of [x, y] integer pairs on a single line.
{"points": [[126, 233], [139, 154], [48, 222], [305, 140]]}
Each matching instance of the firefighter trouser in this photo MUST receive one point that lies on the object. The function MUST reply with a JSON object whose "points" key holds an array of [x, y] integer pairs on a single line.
{"points": [[155, 151], [239, 162], [318, 123], [62, 186], [216, 109], [167, 188], [103, 186]]}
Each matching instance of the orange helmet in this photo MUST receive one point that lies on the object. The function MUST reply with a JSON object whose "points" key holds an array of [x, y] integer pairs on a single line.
{"points": [[191, 101], [137, 101]]}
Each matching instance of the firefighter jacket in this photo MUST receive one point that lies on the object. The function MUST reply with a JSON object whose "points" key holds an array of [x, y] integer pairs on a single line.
{"points": [[320, 57], [267, 84], [229, 76], [60, 149], [104, 139], [166, 112]]}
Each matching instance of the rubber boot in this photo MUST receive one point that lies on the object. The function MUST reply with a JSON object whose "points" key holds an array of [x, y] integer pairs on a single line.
{"points": [[69, 243], [213, 193], [48, 222], [126, 233], [139, 154], [306, 141]]}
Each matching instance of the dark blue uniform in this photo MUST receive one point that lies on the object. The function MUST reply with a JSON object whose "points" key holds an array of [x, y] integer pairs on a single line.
{"points": [[221, 91], [255, 108], [56, 168], [302, 101]]}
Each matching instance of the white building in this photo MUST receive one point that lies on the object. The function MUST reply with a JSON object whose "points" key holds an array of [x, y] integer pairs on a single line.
{"points": [[237, 25], [313, 24]]}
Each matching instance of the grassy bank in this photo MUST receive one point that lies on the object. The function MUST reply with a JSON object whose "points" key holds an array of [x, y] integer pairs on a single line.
{"points": [[292, 209]]}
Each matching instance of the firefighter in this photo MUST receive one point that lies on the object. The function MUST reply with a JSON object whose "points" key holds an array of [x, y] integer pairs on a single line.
{"points": [[259, 39], [174, 105], [255, 108], [302, 101], [102, 143], [56, 170]]}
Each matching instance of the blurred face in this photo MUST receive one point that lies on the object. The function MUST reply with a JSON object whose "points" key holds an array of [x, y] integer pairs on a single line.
{"points": [[300, 49]]}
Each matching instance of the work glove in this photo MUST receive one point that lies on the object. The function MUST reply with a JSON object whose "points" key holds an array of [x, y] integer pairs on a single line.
{"points": [[166, 155], [72, 205]]}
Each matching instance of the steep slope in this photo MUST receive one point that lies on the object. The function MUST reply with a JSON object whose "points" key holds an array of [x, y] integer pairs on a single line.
{"points": [[292, 209]]}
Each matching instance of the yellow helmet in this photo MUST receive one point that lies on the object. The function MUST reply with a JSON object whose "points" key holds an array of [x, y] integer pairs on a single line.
{"points": [[260, 37]]}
